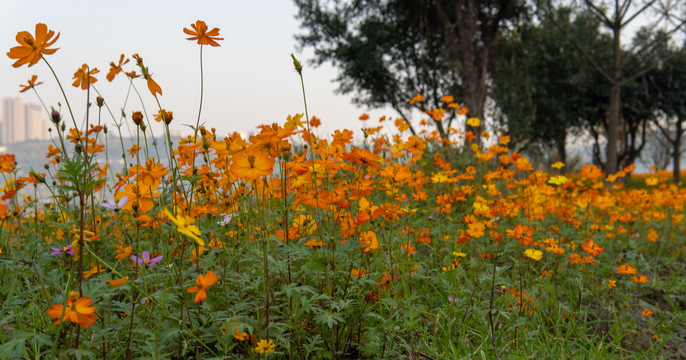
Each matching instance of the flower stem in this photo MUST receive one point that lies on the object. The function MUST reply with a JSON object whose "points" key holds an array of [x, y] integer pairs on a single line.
{"points": [[202, 88]]}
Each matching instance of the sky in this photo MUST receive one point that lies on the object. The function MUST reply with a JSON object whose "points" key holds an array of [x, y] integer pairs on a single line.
{"points": [[248, 81]]}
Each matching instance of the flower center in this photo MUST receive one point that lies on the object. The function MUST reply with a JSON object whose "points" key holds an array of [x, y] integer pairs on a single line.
{"points": [[29, 41], [146, 261], [251, 160]]}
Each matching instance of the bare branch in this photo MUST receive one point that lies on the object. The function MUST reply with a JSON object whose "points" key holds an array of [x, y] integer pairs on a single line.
{"points": [[600, 14]]}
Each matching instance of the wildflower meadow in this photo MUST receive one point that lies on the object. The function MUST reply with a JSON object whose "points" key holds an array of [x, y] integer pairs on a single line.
{"points": [[294, 244]]}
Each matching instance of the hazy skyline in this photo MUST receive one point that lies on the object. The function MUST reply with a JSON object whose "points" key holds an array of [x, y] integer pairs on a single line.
{"points": [[249, 80]]}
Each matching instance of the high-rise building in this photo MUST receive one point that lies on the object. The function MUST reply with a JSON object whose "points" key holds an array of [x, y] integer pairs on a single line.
{"points": [[34, 122], [7, 116], [21, 122]]}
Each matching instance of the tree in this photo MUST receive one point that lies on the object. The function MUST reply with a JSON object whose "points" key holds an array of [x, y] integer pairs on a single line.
{"points": [[390, 50], [540, 81], [616, 17], [667, 85]]}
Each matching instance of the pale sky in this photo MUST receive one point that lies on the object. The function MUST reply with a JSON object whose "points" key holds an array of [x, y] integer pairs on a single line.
{"points": [[249, 80]]}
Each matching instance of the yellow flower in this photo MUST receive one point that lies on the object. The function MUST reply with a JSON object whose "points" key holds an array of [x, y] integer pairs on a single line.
{"points": [[184, 225], [558, 165], [533, 254], [265, 347], [473, 122], [558, 180], [294, 121], [652, 181]]}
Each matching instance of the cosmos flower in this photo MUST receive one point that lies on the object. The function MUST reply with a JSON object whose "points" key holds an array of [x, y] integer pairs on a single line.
{"points": [[202, 283], [146, 260], [112, 204], [201, 34], [265, 347], [184, 225], [31, 48], [83, 76], [31, 85], [56, 251], [78, 311]]}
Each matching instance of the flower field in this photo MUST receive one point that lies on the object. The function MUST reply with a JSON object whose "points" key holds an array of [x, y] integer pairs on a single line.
{"points": [[291, 244]]}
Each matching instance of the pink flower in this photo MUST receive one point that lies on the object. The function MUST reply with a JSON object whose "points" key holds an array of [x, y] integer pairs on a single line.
{"points": [[146, 260]]}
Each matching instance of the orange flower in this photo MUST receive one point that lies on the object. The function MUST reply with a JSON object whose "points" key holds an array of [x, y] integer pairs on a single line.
{"points": [[152, 85], [7, 163], [84, 77], [523, 233], [77, 311], [117, 282], [417, 98], [201, 34], [31, 49], [626, 269], [151, 174], [369, 241], [251, 164], [123, 251], [201, 285], [647, 312], [94, 270], [116, 68], [31, 85], [641, 279], [591, 248], [415, 145]]}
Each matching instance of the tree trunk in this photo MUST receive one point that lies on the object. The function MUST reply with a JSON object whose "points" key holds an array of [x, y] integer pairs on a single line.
{"points": [[615, 99], [560, 144], [677, 151]]}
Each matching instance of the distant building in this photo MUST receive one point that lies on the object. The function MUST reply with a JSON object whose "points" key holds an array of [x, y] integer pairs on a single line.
{"points": [[21, 122], [34, 122]]}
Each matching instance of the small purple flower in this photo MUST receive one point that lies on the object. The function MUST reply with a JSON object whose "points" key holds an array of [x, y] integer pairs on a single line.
{"points": [[453, 299], [146, 260], [116, 206], [56, 251]]}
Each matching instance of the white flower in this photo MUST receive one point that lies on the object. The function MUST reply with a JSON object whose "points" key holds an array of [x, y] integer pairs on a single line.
{"points": [[226, 219], [112, 205]]}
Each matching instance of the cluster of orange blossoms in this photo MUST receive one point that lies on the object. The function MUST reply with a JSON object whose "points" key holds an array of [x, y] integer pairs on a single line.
{"points": [[386, 197]]}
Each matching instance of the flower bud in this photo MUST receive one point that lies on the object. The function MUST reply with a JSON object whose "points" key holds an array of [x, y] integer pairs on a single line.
{"points": [[297, 65], [137, 117], [99, 101], [37, 176], [167, 116], [55, 116]]}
